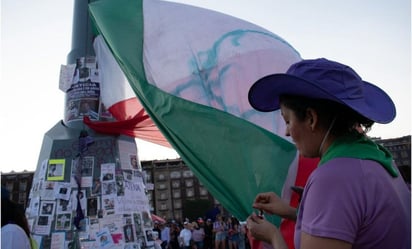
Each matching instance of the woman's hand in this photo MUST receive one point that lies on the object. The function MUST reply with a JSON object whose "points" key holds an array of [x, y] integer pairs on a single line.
{"points": [[263, 230], [271, 203]]}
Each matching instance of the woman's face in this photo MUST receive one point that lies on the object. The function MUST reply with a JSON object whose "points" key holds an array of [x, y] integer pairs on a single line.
{"points": [[301, 133]]}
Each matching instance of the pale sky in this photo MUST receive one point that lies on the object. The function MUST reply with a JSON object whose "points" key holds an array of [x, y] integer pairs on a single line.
{"points": [[371, 36]]}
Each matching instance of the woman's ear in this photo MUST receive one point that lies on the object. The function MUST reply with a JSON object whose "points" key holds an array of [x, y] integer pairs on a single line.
{"points": [[312, 118]]}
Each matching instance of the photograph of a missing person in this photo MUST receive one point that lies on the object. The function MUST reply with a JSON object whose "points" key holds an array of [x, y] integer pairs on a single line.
{"points": [[63, 206], [63, 221], [134, 163], [97, 187], [128, 233], [87, 166], [92, 206], [149, 235], [47, 208], [55, 170]]}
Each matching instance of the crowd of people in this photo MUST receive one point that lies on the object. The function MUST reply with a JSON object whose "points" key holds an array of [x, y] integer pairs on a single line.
{"points": [[221, 233]]}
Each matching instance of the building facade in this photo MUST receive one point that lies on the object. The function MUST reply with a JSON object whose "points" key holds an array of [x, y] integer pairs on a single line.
{"points": [[18, 185], [170, 183], [400, 149]]}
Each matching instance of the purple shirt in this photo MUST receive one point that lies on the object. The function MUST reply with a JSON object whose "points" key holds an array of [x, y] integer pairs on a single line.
{"points": [[356, 201], [198, 234]]}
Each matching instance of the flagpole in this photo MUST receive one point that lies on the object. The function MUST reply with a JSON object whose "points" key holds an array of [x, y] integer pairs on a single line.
{"points": [[81, 49]]}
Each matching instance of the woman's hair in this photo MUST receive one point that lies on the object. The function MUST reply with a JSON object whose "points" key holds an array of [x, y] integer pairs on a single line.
{"points": [[347, 120], [13, 213]]}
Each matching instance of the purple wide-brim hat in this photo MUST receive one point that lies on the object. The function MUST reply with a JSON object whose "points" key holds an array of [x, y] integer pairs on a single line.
{"points": [[323, 79]]}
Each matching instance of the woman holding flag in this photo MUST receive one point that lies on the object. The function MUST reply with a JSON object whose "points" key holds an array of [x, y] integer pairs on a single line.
{"points": [[356, 197]]}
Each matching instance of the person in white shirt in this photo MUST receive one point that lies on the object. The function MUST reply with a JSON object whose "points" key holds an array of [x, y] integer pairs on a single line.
{"points": [[15, 231], [185, 236], [13, 236]]}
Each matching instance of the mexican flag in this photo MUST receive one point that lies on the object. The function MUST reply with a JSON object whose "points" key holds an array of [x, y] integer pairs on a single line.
{"points": [[120, 100], [191, 69]]}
